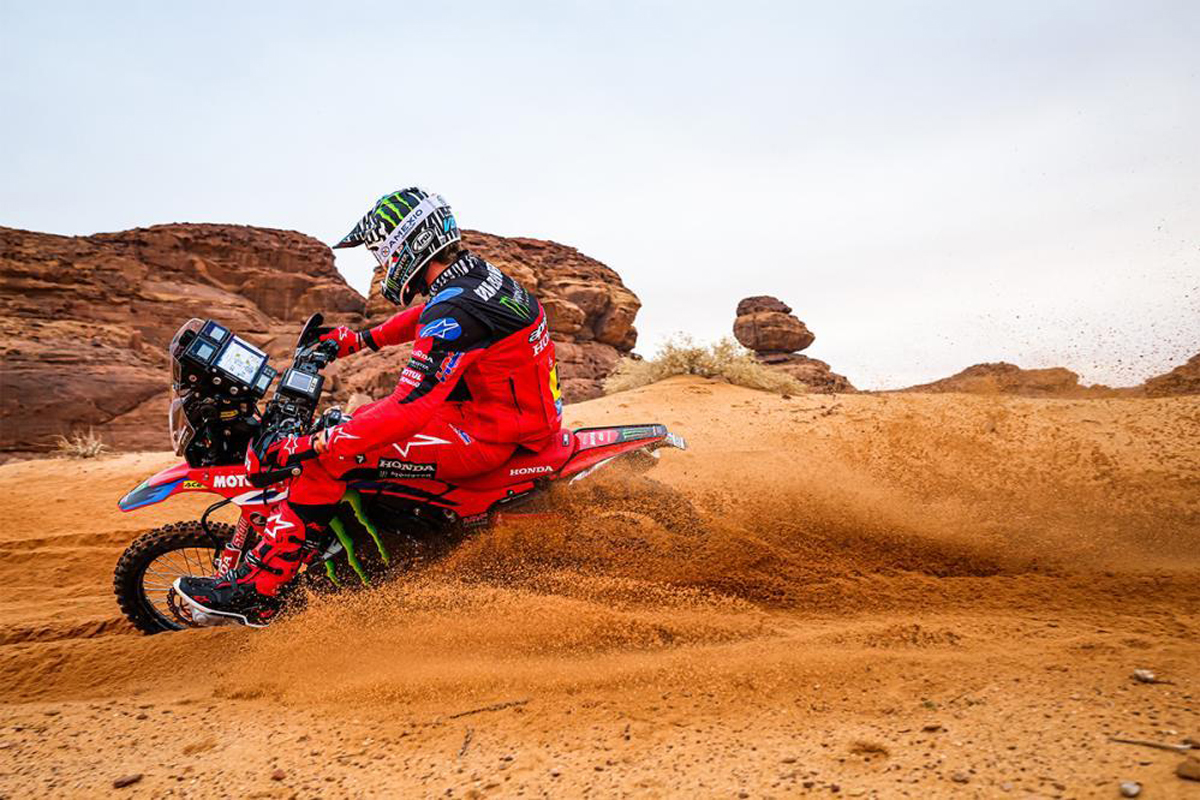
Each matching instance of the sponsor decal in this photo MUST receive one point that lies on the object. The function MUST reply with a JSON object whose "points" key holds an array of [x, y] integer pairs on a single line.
{"points": [[444, 294], [449, 363], [491, 284], [515, 306], [193, 485], [540, 338], [475, 520], [641, 432], [420, 440], [445, 328], [275, 526], [466, 439], [420, 355], [393, 468], [395, 240], [422, 240], [597, 438], [230, 482], [542, 470], [360, 459], [337, 434], [538, 332]]}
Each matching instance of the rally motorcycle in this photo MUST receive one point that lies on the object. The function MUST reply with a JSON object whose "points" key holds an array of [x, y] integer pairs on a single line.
{"points": [[388, 521]]}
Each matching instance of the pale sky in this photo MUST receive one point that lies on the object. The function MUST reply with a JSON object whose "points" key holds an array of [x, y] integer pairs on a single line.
{"points": [[928, 184]]}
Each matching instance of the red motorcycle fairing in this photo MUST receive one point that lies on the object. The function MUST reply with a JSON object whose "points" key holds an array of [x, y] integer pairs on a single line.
{"points": [[227, 481], [569, 455]]}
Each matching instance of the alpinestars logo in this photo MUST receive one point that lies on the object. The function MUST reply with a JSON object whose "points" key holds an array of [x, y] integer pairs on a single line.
{"points": [[276, 525], [420, 440], [337, 434]]}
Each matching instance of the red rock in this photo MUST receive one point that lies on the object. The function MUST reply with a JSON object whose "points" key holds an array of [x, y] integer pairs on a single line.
{"points": [[1184, 379], [764, 331], [762, 302], [1004, 378], [767, 326], [815, 374], [84, 321]]}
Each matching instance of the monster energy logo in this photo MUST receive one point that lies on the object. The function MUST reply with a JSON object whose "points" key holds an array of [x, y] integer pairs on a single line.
{"points": [[517, 307], [339, 529]]}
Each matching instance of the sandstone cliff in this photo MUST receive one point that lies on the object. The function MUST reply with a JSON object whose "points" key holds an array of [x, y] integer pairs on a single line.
{"points": [[84, 321]]}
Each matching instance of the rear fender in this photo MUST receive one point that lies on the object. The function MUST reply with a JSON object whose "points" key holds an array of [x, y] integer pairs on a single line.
{"points": [[228, 482], [601, 446]]}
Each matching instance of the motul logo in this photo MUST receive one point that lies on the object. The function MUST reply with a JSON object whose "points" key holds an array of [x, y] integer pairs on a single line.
{"points": [[530, 471], [229, 482]]}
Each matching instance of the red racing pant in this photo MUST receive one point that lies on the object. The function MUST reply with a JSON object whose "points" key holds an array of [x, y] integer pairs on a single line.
{"points": [[294, 533]]}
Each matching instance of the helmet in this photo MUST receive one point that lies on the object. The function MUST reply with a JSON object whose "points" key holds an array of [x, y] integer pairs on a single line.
{"points": [[404, 230]]}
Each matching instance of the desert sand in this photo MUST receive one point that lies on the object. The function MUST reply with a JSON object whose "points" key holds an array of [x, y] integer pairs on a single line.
{"points": [[894, 596]]}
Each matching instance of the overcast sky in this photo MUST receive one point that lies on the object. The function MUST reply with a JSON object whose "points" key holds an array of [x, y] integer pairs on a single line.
{"points": [[928, 184]]}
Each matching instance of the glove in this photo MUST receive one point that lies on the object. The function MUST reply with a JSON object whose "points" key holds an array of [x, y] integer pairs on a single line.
{"points": [[349, 342], [280, 453]]}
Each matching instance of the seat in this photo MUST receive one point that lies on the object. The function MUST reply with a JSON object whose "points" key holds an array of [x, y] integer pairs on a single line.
{"points": [[524, 466]]}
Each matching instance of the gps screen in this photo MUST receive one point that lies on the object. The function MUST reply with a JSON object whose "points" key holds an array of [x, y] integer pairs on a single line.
{"points": [[242, 361]]}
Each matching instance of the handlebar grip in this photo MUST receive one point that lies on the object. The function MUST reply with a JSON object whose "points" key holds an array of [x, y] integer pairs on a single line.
{"points": [[261, 480]]}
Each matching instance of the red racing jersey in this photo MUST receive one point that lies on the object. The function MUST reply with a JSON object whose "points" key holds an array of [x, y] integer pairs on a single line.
{"points": [[480, 339]]}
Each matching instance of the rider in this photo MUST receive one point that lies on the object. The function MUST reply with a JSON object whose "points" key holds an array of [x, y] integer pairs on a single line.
{"points": [[481, 382]]}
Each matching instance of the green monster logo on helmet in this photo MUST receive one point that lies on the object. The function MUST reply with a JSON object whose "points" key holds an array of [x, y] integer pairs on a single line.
{"points": [[404, 230]]}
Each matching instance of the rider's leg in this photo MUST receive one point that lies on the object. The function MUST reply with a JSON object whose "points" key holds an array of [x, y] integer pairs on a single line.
{"points": [[445, 449], [295, 532]]}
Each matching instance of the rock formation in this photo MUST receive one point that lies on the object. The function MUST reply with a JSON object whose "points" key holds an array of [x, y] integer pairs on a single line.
{"points": [[84, 321], [591, 312], [767, 326], [1004, 378], [1184, 379]]}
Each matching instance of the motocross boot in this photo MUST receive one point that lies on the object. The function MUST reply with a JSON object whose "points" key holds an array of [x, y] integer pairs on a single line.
{"points": [[249, 594]]}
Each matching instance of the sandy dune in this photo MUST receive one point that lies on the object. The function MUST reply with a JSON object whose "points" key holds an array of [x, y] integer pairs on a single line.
{"points": [[898, 595]]}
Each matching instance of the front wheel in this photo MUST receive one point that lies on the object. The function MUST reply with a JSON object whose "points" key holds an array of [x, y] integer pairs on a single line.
{"points": [[147, 569]]}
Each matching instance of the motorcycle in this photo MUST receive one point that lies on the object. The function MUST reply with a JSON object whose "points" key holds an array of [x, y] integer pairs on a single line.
{"points": [[389, 520]]}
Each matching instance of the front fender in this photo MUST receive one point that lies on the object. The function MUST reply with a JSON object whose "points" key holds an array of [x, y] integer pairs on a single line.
{"points": [[228, 482], [156, 488]]}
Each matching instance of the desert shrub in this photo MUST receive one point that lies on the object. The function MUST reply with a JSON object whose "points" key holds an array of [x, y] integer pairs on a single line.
{"points": [[725, 359], [80, 445]]}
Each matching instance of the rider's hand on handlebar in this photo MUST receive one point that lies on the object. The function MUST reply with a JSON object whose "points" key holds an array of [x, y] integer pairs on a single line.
{"points": [[348, 341], [283, 453]]}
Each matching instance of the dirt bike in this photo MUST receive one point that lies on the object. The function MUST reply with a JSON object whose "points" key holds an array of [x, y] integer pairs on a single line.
{"points": [[391, 517]]}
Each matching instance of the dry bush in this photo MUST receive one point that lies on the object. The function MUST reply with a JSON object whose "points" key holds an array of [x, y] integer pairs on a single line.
{"points": [[681, 356], [80, 445]]}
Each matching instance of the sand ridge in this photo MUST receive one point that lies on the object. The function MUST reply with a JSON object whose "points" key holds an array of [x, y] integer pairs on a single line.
{"points": [[893, 595]]}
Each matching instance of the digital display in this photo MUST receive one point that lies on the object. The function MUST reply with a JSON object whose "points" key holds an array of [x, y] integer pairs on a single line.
{"points": [[216, 331], [241, 361], [264, 381], [300, 382], [203, 350]]}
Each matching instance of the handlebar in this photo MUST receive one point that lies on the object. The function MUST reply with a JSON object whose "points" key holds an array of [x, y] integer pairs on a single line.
{"points": [[261, 480]]}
